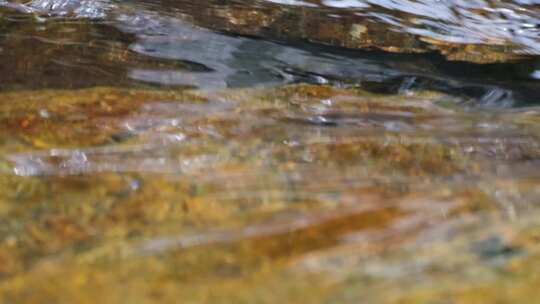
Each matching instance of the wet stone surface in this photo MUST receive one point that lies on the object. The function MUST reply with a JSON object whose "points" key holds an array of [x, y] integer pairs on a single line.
{"points": [[480, 31], [251, 191], [148, 153]]}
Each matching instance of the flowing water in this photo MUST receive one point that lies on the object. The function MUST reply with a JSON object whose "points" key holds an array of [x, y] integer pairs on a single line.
{"points": [[265, 151]]}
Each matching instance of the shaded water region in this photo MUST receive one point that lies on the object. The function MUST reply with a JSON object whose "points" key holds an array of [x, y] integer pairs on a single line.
{"points": [[144, 45], [229, 152]]}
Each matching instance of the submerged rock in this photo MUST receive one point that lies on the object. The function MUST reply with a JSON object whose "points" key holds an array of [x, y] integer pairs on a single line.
{"points": [[479, 32], [143, 47], [379, 182], [156, 195]]}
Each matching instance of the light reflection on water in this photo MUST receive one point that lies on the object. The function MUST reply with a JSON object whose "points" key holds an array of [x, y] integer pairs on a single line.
{"points": [[147, 155], [489, 22], [156, 48]]}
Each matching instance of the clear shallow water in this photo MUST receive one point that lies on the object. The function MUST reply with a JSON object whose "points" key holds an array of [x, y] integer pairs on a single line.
{"points": [[142, 44], [157, 151]]}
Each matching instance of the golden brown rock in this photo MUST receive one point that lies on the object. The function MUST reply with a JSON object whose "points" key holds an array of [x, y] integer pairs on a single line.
{"points": [[287, 194]]}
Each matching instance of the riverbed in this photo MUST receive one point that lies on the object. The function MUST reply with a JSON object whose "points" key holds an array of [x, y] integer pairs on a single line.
{"points": [[269, 151]]}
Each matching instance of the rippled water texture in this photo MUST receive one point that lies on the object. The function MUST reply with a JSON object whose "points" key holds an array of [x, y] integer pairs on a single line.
{"points": [[481, 31], [269, 151]]}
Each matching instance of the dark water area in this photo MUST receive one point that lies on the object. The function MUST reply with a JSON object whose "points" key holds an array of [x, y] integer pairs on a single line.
{"points": [[265, 151], [147, 44]]}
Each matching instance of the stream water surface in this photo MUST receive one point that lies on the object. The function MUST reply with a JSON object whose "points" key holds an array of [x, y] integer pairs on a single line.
{"points": [[269, 151]]}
